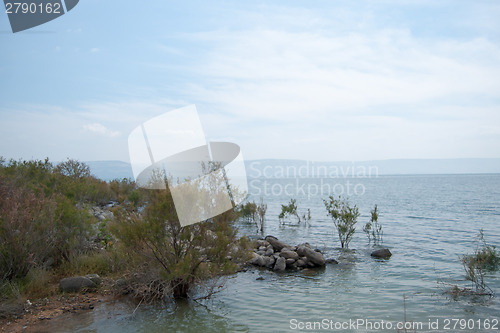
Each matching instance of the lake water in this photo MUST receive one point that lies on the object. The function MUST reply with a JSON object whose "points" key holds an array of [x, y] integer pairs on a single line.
{"points": [[429, 221]]}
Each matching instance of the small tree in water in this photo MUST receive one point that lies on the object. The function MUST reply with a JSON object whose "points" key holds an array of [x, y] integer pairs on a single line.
{"points": [[485, 258], [261, 213], [291, 210], [373, 229], [253, 212], [344, 218]]}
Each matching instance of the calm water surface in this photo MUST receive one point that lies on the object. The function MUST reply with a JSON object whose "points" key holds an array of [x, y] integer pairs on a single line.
{"points": [[429, 221]]}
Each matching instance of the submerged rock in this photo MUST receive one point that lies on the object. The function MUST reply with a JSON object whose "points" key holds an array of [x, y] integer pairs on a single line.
{"points": [[381, 253]]}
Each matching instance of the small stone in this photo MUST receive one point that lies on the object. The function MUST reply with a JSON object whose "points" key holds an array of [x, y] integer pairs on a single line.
{"points": [[331, 261], [260, 278], [301, 263]]}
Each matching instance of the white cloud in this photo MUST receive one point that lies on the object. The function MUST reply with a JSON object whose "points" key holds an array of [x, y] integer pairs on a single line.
{"points": [[344, 82], [271, 73], [366, 92], [101, 129]]}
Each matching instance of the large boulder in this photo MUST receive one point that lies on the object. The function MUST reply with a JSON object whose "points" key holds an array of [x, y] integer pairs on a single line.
{"points": [[277, 245], [289, 255], [381, 253], [75, 283], [280, 264], [312, 256]]}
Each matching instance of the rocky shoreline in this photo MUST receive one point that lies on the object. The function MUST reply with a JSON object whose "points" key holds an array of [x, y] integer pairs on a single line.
{"points": [[279, 256]]}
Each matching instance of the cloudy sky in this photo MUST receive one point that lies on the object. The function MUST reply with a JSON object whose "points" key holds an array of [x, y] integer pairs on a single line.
{"points": [[316, 80]]}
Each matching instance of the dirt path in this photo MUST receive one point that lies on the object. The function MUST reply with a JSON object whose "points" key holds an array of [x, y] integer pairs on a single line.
{"points": [[50, 308]]}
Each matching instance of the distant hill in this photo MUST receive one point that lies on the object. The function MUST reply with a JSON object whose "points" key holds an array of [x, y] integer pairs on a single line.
{"points": [[300, 168], [109, 170]]}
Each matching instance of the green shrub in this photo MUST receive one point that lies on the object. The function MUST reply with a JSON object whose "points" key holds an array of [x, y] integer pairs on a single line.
{"points": [[41, 222], [261, 214], [373, 229], [291, 210], [247, 211], [95, 262], [253, 212], [485, 258], [344, 218], [177, 257], [27, 230], [36, 284]]}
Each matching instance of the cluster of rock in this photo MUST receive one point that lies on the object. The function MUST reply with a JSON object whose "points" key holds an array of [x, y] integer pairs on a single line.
{"points": [[279, 256], [103, 212]]}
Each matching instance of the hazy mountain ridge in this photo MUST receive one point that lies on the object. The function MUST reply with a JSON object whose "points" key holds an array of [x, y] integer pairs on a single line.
{"points": [[277, 168]]}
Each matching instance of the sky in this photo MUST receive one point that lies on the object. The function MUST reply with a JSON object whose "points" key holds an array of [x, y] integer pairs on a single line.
{"points": [[313, 80]]}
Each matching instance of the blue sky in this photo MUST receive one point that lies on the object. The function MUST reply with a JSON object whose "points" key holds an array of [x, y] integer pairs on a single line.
{"points": [[315, 80]]}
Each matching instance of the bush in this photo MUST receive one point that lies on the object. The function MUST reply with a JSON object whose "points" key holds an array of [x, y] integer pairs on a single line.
{"points": [[485, 258], [261, 213], [36, 230], [36, 283], [95, 262], [291, 210], [254, 212], [42, 220], [178, 258], [248, 211], [126, 191], [373, 229], [344, 218]]}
